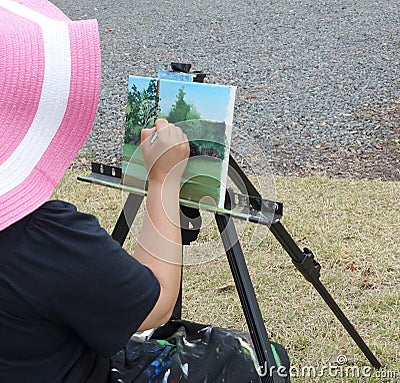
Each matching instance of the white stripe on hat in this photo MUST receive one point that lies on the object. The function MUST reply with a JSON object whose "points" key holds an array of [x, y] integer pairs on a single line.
{"points": [[53, 100]]}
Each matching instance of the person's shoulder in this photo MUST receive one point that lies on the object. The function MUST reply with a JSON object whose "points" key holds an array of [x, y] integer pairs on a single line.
{"points": [[62, 221], [60, 225], [56, 207], [62, 213]]}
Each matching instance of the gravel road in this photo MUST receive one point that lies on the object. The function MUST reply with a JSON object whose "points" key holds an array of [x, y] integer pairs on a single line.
{"points": [[318, 81]]}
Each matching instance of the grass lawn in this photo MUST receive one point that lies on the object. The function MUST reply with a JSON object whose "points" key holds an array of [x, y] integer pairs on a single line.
{"points": [[353, 228]]}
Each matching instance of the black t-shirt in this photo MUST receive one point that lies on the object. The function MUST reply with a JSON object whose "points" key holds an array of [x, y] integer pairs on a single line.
{"points": [[70, 297]]}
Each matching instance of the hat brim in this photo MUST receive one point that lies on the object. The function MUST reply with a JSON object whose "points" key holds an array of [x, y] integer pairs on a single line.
{"points": [[51, 76]]}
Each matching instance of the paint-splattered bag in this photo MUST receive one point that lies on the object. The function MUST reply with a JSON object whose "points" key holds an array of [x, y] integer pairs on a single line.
{"points": [[183, 351]]}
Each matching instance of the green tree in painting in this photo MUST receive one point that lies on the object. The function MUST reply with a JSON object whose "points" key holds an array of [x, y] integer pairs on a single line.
{"points": [[181, 110], [142, 108]]}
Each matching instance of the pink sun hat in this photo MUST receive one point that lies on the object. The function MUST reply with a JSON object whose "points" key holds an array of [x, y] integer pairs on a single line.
{"points": [[50, 70]]}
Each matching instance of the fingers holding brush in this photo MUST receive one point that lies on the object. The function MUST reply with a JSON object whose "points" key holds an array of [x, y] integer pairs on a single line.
{"points": [[165, 150]]}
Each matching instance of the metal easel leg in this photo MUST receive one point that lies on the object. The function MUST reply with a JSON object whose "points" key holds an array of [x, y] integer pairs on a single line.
{"points": [[310, 268], [248, 300], [126, 217]]}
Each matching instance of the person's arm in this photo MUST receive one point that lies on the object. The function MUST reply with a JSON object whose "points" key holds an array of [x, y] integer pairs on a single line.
{"points": [[159, 245]]}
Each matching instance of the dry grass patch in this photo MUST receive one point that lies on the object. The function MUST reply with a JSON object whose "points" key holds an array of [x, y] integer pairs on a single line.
{"points": [[353, 228]]}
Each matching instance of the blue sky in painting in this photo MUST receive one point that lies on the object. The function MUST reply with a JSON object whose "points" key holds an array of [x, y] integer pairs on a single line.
{"points": [[211, 101], [140, 82]]}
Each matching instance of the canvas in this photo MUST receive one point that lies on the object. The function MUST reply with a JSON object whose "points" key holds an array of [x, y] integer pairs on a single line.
{"points": [[205, 114]]}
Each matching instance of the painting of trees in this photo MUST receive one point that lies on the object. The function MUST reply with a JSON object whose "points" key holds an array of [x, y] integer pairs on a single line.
{"points": [[203, 111], [141, 109], [181, 110]]}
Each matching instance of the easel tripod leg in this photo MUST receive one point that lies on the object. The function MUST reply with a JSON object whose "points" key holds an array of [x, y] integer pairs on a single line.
{"points": [[248, 298], [310, 268], [126, 217]]}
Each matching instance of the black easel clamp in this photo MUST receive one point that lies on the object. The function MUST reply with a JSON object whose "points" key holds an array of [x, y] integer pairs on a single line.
{"points": [[106, 170], [198, 76], [309, 266], [257, 209]]}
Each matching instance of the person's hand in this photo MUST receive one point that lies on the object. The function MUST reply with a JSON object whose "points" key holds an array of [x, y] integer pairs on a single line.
{"points": [[165, 156]]}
